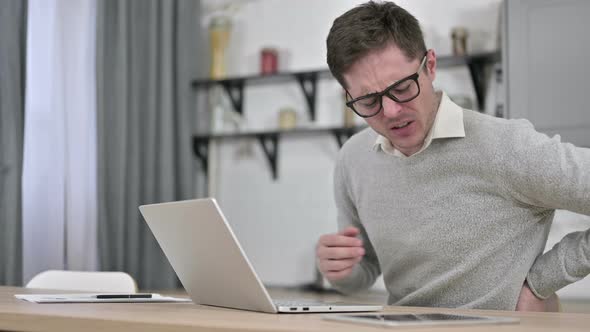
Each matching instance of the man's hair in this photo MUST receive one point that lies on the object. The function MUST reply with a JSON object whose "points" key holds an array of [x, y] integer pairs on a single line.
{"points": [[371, 26]]}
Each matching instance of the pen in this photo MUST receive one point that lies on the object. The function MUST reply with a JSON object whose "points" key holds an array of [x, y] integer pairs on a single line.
{"points": [[124, 296]]}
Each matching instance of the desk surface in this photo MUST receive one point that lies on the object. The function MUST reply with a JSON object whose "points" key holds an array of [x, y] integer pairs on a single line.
{"points": [[17, 315]]}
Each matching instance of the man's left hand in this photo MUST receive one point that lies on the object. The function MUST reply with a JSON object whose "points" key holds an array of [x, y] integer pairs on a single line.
{"points": [[528, 301]]}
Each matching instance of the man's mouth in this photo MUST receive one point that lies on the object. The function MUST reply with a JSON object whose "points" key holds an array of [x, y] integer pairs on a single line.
{"points": [[401, 125]]}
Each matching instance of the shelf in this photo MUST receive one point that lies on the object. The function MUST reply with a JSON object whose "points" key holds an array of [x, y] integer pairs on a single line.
{"points": [[477, 64], [261, 79], [269, 141], [449, 61], [234, 86]]}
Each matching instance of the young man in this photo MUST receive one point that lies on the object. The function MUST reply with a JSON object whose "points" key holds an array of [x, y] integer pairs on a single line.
{"points": [[452, 206]]}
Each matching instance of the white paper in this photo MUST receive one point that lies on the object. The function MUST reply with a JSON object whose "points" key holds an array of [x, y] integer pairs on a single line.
{"points": [[91, 298]]}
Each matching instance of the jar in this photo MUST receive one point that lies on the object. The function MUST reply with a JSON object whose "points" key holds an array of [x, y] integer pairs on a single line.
{"points": [[219, 30], [459, 38], [269, 59], [287, 118]]}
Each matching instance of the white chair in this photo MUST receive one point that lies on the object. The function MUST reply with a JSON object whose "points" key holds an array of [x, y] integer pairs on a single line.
{"points": [[107, 282]]}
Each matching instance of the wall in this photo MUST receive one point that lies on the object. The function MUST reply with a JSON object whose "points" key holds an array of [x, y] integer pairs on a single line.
{"points": [[278, 222]]}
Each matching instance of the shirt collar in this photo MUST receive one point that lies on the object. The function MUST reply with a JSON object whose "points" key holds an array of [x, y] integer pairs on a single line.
{"points": [[448, 123]]}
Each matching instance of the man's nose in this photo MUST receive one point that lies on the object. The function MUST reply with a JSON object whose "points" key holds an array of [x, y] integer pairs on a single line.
{"points": [[391, 108]]}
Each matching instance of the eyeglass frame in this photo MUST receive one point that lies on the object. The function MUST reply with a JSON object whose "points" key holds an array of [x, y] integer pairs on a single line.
{"points": [[414, 77]]}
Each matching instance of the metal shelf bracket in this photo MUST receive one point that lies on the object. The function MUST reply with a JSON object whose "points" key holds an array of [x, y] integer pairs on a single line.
{"points": [[342, 135], [235, 92], [201, 150], [270, 146], [478, 69], [309, 85]]}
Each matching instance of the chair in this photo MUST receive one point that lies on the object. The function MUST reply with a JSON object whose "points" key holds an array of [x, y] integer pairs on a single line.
{"points": [[111, 282]]}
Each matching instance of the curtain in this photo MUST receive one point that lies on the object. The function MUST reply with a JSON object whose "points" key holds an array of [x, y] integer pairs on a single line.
{"points": [[147, 55], [59, 161], [12, 83]]}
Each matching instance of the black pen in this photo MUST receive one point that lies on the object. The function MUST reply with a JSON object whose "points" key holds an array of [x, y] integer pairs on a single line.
{"points": [[124, 296]]}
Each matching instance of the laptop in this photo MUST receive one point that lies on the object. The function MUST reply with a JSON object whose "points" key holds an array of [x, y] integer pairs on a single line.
{"points": [[209, 261]]}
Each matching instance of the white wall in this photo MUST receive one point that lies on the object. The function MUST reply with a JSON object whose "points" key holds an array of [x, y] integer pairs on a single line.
{"points": [[278, 222]]}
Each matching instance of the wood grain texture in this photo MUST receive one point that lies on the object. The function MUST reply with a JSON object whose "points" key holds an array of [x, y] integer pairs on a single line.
{"points": [[17, 315]]}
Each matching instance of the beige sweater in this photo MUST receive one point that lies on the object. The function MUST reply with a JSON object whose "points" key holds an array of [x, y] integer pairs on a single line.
{"points": [[465, 222]]}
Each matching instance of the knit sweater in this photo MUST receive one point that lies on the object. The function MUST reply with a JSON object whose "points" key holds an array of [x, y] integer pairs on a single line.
{"points": [[464, 222]]}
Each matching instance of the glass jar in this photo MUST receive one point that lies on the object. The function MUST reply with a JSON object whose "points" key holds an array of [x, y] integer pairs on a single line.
{"points": [[269, 58], [459, 37], [287, 118], [219, 32]]}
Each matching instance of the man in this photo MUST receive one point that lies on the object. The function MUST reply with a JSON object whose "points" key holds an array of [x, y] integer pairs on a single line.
{"points": [[453, 207]]}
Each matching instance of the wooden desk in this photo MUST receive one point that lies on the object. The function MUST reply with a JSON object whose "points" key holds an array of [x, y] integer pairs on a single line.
{"points": [[17, 315]]}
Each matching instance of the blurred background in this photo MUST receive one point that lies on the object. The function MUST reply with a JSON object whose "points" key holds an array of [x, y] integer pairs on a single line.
{"points": [[106, 105]]}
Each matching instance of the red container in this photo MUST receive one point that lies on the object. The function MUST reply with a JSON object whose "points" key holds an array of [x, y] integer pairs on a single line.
{"points": [[269, 59]]}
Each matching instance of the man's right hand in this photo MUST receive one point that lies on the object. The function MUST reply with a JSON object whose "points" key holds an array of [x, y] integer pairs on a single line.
{"points": [[338, 253]]}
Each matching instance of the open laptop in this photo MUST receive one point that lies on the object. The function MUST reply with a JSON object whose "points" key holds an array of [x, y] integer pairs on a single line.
{"points": [[210, 263]]}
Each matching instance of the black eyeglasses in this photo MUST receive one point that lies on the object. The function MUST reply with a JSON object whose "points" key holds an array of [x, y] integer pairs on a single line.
{"points": [[401, 91]]}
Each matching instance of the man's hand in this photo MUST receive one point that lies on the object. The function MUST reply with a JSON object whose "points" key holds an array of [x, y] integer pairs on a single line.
{"points": [[338, 253], [528, 301]]}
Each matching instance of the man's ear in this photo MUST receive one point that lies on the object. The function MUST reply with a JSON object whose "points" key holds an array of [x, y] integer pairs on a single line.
{"points": [[431, 64]]}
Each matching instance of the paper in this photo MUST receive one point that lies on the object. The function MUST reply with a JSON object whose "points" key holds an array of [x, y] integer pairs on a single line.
{"points": [[91, 298]]}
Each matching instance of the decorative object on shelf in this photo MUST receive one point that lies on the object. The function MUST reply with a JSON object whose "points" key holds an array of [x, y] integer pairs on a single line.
{"points": [[269, 61], [287, 118], [219, 34], [459, 37]]}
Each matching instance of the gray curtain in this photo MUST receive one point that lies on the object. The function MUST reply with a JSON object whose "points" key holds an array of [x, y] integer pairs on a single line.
{"points": [[147, 54], [13, 24]]}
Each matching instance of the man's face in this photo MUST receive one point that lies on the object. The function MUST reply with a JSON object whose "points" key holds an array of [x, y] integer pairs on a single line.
{"points": [[405, 125]]}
